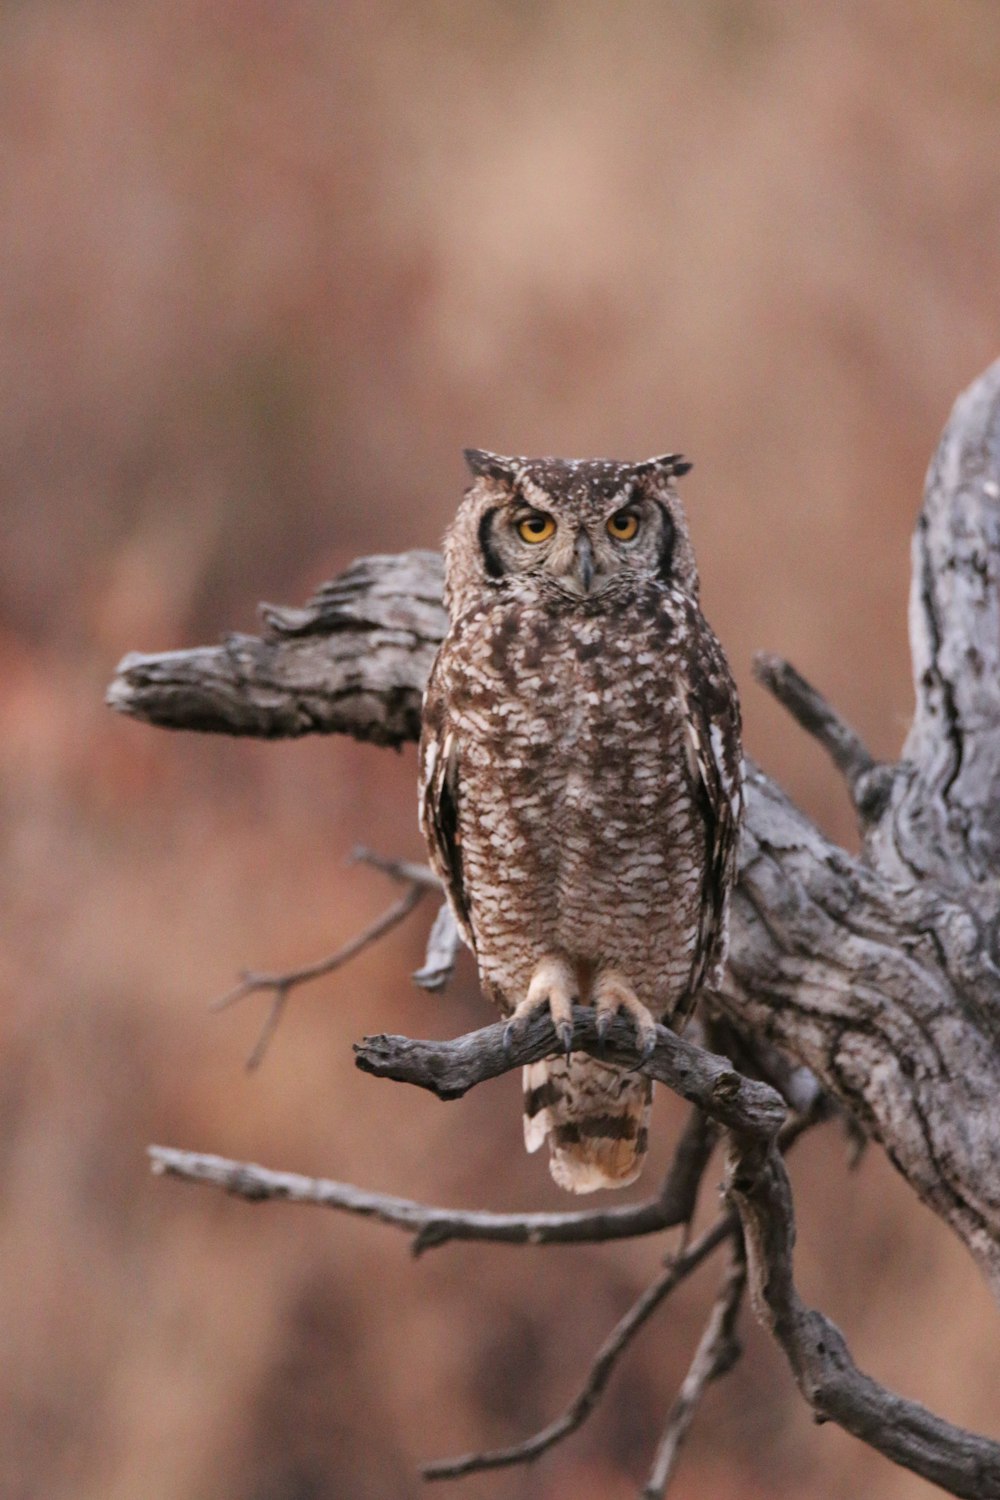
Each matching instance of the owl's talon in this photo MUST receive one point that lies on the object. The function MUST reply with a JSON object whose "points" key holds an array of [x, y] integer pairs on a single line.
{"points": [[613, 993], [648, 1039], [602, 1027], [552, 989]]}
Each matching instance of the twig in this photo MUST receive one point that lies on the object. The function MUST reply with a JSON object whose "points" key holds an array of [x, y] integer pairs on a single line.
{"points": [[450, 1068], [406, 871], [608, 1355], [868, 779], [961, 1462], [812, 711], [432, 1226], [718, 1350], [283, 984]]}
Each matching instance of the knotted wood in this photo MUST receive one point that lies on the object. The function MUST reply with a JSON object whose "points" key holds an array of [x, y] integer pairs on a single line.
{"points": [[880, 973]]}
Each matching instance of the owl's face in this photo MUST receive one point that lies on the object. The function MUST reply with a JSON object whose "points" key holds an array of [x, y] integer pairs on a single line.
{"points": [[580, 528]]}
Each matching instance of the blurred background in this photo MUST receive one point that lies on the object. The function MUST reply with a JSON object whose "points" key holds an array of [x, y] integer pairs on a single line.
{"points": [[267, 265]]}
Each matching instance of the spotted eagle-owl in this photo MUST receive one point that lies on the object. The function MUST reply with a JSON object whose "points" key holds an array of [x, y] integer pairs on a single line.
{"points": [[581, 775]]}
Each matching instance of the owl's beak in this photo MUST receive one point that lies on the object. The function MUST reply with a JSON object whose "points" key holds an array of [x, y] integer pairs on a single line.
{"points": [[583, 561]]}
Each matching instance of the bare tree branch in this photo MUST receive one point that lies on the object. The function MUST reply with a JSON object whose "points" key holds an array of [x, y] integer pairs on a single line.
{"points": [[878, 974], [281, 985], [405, 871], [961, 1462], [449, 1069], [607, 1358], [869, 782], [432, 1227], [717, 1352], [353, 661]]}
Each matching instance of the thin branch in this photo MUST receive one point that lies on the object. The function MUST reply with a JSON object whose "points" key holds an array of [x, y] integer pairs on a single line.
{"points": [[608, 1355], [405, 871], [432, 1226], [449, 1069], [718, 1350], [961, 1462], [676, 1269], [869, 780], [282, 984]]}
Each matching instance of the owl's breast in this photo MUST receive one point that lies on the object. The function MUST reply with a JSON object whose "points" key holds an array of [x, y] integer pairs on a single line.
{"points": [[578, 822]]}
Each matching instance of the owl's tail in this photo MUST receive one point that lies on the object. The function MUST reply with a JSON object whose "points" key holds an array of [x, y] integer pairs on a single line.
{"points": [[594, 1116]]}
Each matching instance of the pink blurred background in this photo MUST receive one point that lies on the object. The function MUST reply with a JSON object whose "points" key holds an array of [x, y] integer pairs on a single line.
{"points": [[266, 269]]}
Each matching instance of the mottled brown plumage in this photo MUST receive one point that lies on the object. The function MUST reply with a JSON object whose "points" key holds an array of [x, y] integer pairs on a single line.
{"points": [[581, 774]]}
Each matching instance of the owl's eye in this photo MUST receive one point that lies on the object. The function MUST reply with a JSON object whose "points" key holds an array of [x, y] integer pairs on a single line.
{"points": [[623, 525], [536, 528]]}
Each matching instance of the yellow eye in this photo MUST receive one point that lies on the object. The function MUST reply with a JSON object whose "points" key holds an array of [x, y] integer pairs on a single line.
{"points": [[623, 525], [536, 528]]}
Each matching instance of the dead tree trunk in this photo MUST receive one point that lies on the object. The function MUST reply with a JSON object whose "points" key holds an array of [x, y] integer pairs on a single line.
{"points": [[880, 973]]}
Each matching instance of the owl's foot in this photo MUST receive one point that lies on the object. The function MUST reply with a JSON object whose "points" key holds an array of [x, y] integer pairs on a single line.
{"points": [[553, 987], [613, 993]]}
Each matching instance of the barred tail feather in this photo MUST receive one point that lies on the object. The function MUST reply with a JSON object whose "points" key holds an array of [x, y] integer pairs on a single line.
{"points": [[595, 1118]]}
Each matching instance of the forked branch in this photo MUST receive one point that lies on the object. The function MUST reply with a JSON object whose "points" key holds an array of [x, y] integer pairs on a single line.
{"points": [[431, 1226], [878, 974], [281, 985], [961, 1462], [618, 1340], [717, 1352]]}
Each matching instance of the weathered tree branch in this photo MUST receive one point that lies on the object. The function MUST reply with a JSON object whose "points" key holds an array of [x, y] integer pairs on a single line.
{"points": [[610, 1352], [353, 661], [717, 1352], [880, 974], [432, 1227], [450, 1069], [960, 1462]]}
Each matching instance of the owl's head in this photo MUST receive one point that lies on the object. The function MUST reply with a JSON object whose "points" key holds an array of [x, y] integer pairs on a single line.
{"points": [[575, 527]]}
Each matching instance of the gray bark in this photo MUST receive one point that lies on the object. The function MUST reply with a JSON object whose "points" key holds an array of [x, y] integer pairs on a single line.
{"points": [[879, 973], [353, 661]]}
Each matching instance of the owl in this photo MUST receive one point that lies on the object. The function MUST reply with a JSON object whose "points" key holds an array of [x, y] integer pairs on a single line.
{"points": [[580, 777]]}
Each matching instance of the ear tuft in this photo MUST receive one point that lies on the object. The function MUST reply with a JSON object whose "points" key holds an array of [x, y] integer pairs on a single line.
{"points": [[670, 465], [487, 465]]}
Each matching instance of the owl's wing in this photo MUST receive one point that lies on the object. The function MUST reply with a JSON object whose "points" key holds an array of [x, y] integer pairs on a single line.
{"points": [[439, 792], [715, 759]]}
